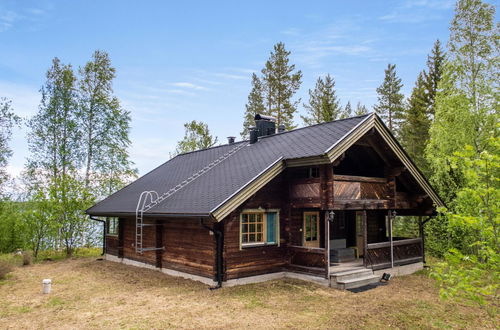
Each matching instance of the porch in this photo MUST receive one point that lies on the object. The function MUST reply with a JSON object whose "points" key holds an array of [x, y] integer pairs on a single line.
{"points": [[360, 242]]}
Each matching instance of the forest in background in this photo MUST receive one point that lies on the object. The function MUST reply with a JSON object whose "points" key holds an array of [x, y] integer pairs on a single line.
{"points": [[79, 139]]}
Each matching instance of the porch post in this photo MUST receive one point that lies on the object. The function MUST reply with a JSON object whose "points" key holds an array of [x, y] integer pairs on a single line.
{"points": [[327, 244], [365, 238], [390, 238]]}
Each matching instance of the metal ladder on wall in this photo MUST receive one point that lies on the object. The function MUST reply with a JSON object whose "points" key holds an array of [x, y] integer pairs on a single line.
{"points": [[150, 198]]}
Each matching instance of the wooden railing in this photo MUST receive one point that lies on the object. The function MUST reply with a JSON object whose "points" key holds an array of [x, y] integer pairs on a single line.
{"points": [[312, 258], [405, 251]]}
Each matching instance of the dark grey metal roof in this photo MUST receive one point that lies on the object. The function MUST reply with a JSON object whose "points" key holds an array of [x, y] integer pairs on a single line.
{"points": [[209, 190]]}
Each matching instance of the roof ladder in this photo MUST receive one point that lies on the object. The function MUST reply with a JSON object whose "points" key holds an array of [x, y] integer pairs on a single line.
{"points": [[139, 220], [150, 198]]}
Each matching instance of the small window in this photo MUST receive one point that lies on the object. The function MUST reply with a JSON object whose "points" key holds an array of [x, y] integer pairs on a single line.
{"points": [[307, 173], [259, 228], [314, 172], [111, 226]]}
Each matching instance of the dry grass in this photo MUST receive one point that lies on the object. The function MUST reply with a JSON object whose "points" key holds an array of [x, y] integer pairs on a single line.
{"points": [[98, 294]]}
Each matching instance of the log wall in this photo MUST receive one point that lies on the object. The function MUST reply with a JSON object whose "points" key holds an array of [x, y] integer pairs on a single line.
{"points": [[250, 261], [189, 247]]}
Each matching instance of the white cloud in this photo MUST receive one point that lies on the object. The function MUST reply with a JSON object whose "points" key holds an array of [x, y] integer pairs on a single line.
{"points": [[10, 18], [189, 86], [231, 76]]}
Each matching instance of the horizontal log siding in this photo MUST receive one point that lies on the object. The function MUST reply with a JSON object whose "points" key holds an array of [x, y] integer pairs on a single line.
{"points": [[260, 260], [112, 245], [188, 246]]}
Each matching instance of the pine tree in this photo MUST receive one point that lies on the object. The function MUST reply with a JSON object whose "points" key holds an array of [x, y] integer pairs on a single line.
{"points": [[323, 103], [390, 105], [280, 83], [196, 136], [414, 132], [7, 121], [361, 109], [104, 126], [255, 105]]}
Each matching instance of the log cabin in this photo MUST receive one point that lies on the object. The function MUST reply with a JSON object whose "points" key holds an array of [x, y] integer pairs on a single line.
{"points": [[315, 203]]}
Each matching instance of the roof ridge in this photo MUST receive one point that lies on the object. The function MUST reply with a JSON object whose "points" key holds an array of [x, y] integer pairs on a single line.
{"points": [[314, 125], [210, 148]]}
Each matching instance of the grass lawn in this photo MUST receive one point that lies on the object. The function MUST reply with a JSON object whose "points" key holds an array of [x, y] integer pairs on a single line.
{"points": [[87, 293]]}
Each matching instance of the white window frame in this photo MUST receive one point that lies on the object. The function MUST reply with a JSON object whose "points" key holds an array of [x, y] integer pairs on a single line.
{"points": [[264, 218]]}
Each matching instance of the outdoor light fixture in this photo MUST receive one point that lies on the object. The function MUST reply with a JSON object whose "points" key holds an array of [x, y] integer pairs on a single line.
{"points": [[393, 213], [331, 216], [386, 277]]}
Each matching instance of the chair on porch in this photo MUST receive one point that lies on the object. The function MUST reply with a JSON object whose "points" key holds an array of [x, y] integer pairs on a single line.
{"points": [[339, 252]]}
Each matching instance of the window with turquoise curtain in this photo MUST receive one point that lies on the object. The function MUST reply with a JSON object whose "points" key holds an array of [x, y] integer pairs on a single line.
{"points": [[271, 227]]}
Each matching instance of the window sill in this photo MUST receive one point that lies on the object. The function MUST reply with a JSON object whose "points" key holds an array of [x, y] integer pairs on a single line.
{"points": [[254, 245], [112, 235]]}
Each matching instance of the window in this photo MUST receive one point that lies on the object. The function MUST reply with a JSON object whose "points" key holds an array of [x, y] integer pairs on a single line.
{"points": [[111, 226], [311, 229], [259, 227], [307, 173]]}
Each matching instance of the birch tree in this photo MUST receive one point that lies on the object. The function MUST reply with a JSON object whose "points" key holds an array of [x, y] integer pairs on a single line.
{"points": [[104, 127]]}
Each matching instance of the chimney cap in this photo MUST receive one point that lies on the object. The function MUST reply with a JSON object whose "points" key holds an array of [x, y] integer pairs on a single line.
{"points": [[264, 117], [230, 139]]}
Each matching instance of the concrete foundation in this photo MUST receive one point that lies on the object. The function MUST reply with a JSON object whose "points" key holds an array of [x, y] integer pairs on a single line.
{"points": [[401, 270], [396, 271]]}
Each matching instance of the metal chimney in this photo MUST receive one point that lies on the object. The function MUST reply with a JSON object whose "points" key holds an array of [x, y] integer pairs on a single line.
{"points": [[266, 125], [230, 139], [253, 135]]}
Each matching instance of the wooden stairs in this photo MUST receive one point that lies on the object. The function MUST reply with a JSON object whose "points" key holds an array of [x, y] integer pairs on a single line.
{"points": [[352, 278]]}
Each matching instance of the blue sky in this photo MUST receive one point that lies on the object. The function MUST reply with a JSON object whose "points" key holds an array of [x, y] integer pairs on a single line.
{"points": [[179, 61]]}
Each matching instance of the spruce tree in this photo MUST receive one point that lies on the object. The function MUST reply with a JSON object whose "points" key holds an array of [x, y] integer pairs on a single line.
{"points": [[414, 132], [347, 112], [280, 82], [419, 111], [323, 103], [361, 109], [390, 104], [432, 76], [255, 105]]}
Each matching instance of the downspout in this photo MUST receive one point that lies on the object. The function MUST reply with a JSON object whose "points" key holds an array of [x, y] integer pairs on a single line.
{"points": [[218, 254], [103, 233]]}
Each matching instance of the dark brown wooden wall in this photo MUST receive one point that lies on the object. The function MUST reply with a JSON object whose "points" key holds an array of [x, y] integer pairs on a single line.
{"points": [[189, 247], [112, 245], [256, 260]]}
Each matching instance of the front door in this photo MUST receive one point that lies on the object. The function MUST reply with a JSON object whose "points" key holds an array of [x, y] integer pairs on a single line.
{"points": [[311, 229]]}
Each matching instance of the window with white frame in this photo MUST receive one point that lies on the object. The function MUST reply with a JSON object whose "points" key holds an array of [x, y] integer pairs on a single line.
{"points": [[112, 226], [259, 227]]}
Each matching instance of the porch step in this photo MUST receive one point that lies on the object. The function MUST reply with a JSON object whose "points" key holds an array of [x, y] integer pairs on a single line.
{"points": [[353, 278], [357, 282], [351, 274]]}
